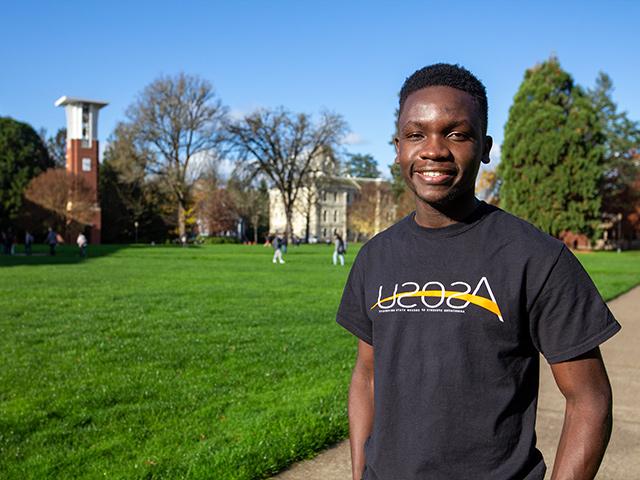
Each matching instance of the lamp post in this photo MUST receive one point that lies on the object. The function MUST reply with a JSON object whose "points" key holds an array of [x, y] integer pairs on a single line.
{"points": [[619, 232], [135, 224]]}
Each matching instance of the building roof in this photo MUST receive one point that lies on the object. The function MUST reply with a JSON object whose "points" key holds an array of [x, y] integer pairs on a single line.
{"points": [[64, 100]]}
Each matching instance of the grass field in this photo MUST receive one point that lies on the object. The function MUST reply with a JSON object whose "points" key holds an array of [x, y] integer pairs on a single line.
{"points": [[163, 362]]}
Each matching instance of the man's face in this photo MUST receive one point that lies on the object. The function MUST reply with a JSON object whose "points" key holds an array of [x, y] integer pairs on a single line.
{"points": [[440, 144]]}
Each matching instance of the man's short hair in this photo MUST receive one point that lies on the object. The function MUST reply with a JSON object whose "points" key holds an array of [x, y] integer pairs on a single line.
{"points": [[447, 75]]}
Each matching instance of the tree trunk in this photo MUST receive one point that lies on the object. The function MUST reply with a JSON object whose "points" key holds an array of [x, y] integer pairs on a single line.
{"points": [[255, 221], [288, 229], [181, 220]]}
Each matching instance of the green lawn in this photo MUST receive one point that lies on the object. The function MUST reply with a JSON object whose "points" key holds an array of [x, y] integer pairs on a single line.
{"points": [[613, 273], [164, 362]]}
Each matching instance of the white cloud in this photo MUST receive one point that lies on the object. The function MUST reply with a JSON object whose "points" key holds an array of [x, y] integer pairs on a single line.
{"points": [[202, 163], [236, 114], [240, 113], [353, 138], [225, 168]]}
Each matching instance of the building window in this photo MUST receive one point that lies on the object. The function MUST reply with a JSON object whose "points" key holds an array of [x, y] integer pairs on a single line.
{"points": [[324, 196], [86, 164], [335, 196], [324, 215], [324, 232], [335, 216]]}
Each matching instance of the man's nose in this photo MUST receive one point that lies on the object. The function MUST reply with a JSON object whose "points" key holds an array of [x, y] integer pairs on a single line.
{"points": [[434, 148]]}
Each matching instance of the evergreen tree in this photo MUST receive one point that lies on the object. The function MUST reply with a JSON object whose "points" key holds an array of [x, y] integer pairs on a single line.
{"points": [[622, 144], [362, 166], [552, 155], [23, 156]]}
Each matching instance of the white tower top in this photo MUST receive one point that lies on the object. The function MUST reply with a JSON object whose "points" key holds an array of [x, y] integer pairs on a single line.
{"points": [[82, 118]]}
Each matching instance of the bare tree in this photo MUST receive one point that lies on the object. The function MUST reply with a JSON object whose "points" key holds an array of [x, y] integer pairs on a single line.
{"points": [[66, 196], [178, 119], [215, 206], [285, 146], [321, 174], [310, 198], [124, 152], [129, 162], [251, 198]]}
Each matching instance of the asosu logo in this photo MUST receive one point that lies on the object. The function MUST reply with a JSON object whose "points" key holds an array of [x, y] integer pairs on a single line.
{"points": [[456, 299]]}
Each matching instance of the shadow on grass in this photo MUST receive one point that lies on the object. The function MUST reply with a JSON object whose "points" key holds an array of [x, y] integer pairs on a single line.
{"points": [[65, 254]]}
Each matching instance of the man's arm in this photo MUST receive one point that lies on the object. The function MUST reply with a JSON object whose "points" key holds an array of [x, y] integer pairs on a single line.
{"points": [[360, 407], [587, 420]]}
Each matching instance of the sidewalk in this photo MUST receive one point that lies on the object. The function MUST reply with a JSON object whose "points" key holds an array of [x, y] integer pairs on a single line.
{"points": [[622, 460]]}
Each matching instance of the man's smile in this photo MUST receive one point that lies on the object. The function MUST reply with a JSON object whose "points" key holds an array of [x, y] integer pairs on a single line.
{"points": [[434, 176]]}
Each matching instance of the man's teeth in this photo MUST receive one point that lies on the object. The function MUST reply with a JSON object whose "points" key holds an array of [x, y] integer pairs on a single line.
{"points": [[432, 174]]}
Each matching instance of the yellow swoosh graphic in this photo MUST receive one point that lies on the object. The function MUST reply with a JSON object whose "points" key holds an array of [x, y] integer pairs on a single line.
{"points": [[475, 299]]}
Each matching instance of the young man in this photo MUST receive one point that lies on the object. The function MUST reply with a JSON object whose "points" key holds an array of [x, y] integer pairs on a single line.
{"points": [[28, 242], [52, 241], [277, 249], [452, 306], [82, 244], [339, 249]]}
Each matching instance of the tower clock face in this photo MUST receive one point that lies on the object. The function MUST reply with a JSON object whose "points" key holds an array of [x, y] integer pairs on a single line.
{"points": [[86, 164]]}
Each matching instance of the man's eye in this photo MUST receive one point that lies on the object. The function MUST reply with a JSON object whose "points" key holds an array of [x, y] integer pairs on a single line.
{"points": [[414, 136], [458, 136]]}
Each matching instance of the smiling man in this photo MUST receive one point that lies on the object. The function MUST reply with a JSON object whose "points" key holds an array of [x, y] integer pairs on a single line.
{"points": [[453, 306]]}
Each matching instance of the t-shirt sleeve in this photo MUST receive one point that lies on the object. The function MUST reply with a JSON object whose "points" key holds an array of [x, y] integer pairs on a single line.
{"points": [[352, 312], [569, 317]]}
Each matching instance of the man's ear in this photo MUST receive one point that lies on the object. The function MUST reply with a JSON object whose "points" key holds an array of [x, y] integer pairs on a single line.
{"points": [[488, 143]]}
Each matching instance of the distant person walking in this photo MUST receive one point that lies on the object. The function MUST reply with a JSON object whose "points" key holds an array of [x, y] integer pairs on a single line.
{"points": [[8, 242], [28, 242], [82, 244], [52, 241], [277, 247], [339, 250]]}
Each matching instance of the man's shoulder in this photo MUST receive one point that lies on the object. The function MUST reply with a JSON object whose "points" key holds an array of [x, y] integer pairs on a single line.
{"points": [[518, 232]]}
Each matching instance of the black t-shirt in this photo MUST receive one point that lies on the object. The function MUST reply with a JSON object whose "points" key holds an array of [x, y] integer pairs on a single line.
{"points": [[457, 317]]}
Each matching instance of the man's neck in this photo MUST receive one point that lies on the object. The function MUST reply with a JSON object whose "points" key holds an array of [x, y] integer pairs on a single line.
{"points": [[439, 216]]}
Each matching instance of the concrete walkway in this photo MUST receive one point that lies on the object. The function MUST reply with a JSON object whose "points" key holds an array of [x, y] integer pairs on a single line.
{"points": [[622, 460]]}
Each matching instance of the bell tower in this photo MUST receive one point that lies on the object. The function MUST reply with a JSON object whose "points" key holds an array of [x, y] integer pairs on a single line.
{"points": [[82, 149]]}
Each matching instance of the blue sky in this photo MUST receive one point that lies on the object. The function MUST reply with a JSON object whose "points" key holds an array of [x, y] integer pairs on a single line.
{"points": [[348, 57]]}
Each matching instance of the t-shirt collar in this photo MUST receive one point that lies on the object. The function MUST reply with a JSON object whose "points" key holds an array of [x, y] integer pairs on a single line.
{"points": [[475, 217]]}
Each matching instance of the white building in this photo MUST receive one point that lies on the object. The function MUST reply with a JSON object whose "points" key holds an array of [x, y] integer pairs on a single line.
{"points": [[324, 210]]}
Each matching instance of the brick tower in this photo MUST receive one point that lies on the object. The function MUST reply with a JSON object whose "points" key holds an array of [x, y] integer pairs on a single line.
{"points": [[82, 148]]}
